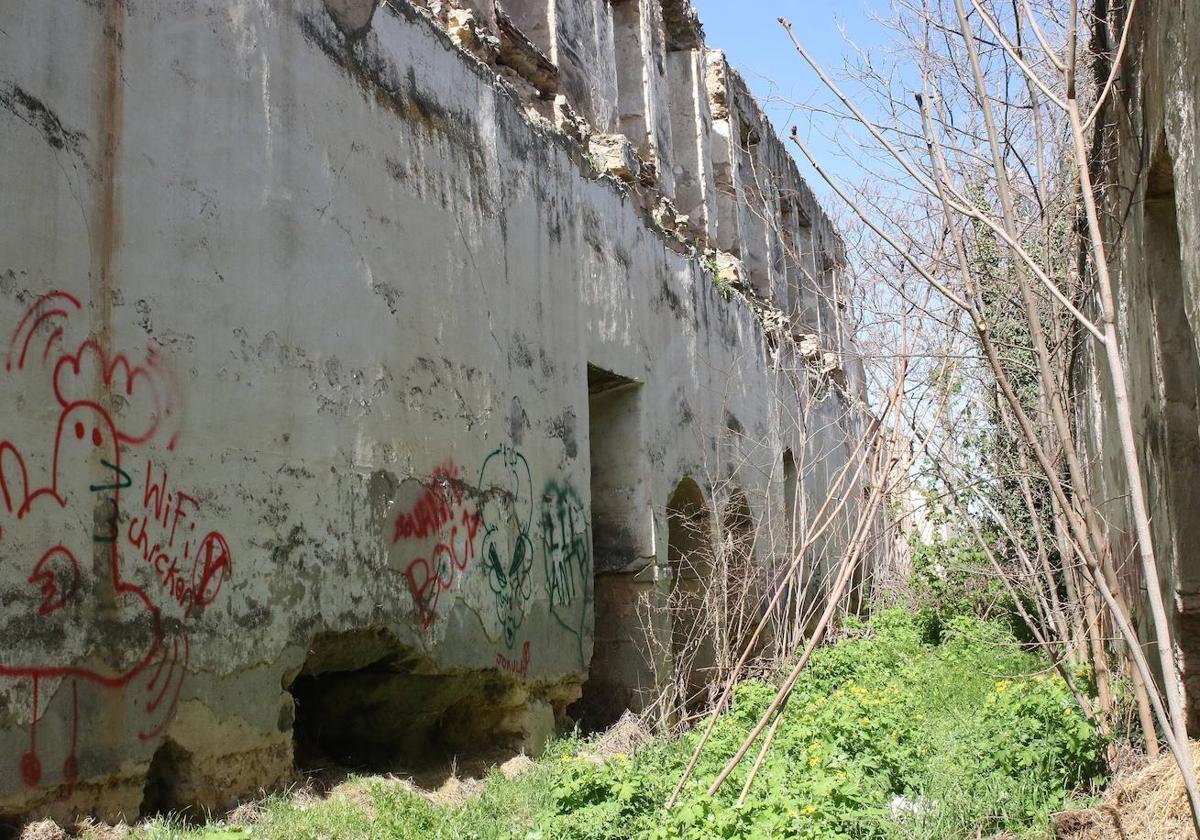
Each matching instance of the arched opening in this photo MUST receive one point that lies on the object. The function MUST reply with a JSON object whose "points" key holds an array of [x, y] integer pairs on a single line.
{"points": [[169, 783], [716, 594], [738, 580], [689, 555], [789, 612], [365, 702], [790, 507], [1175, 440]]}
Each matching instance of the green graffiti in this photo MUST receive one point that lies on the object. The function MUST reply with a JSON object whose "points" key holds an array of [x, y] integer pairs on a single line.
{"points": [[567, 557], [507, 485]]}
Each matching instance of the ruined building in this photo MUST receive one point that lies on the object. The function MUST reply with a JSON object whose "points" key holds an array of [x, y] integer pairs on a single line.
{"points": [[1148, 172], [363, 366]]}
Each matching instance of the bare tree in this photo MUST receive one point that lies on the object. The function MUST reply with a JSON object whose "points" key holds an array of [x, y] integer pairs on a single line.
{"points": [[982, 190]]}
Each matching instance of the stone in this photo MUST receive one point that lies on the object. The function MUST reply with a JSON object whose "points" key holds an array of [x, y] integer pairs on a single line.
{"points": [[467, 31], [517, 51], [569, 122], [731, 270], [614, 155]]}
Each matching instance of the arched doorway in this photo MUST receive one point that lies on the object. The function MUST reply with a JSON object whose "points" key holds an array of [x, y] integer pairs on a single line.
{"points": [[689, 555], [737, 584], [788, 616]]}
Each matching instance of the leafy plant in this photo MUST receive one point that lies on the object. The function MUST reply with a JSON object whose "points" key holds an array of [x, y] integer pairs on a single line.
{"points": [[891, 733], [951, 577]]}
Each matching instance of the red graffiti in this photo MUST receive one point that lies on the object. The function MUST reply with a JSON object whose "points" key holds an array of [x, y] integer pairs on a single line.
{"points": [[520, 667], [210, 564], [440, 514], [86, 473], [51, 310], [434, 509], [428, 579], [214, 571], [57, 574]]}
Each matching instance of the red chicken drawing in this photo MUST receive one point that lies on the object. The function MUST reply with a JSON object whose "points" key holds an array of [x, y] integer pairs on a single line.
{"points": [[60, 505]]}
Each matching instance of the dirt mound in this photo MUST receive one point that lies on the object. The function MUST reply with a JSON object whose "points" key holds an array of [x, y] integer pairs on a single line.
{"points": [[43, 830], [1146, 804], [625, 737]]}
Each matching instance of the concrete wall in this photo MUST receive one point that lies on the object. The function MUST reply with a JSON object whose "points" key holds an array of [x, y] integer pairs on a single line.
{"points": [[311, 320], [1147, 154]]}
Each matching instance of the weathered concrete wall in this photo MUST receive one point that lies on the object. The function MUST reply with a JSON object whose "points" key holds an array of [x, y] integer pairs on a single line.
{"points": [[330, 360], [1147, 158]]}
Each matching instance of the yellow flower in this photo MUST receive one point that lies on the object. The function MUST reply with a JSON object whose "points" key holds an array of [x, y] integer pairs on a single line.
{"points": [[809, 809], [864, 721], [620, 757], [814, 762], [566, 758], [920, 718]]}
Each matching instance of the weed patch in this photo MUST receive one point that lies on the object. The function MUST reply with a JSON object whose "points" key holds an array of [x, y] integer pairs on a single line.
{"points": [[889, 735]]}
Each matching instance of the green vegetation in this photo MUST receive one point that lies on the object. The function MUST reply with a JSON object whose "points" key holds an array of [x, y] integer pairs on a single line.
{"points": [[965, 731], [950, 578], [913, 726], [723, 285]]}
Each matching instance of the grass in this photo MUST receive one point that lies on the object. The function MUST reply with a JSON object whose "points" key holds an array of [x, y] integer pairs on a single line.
{"points": [[903, 731], [378, 807]]}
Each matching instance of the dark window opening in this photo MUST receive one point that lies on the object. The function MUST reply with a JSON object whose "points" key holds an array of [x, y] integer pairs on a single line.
{"points": [[750, 138], [614, 431], [167, 783], [623, 668]]}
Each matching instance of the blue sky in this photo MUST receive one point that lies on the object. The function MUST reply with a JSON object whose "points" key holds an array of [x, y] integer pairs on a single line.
{"points": [[750, 35]]}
